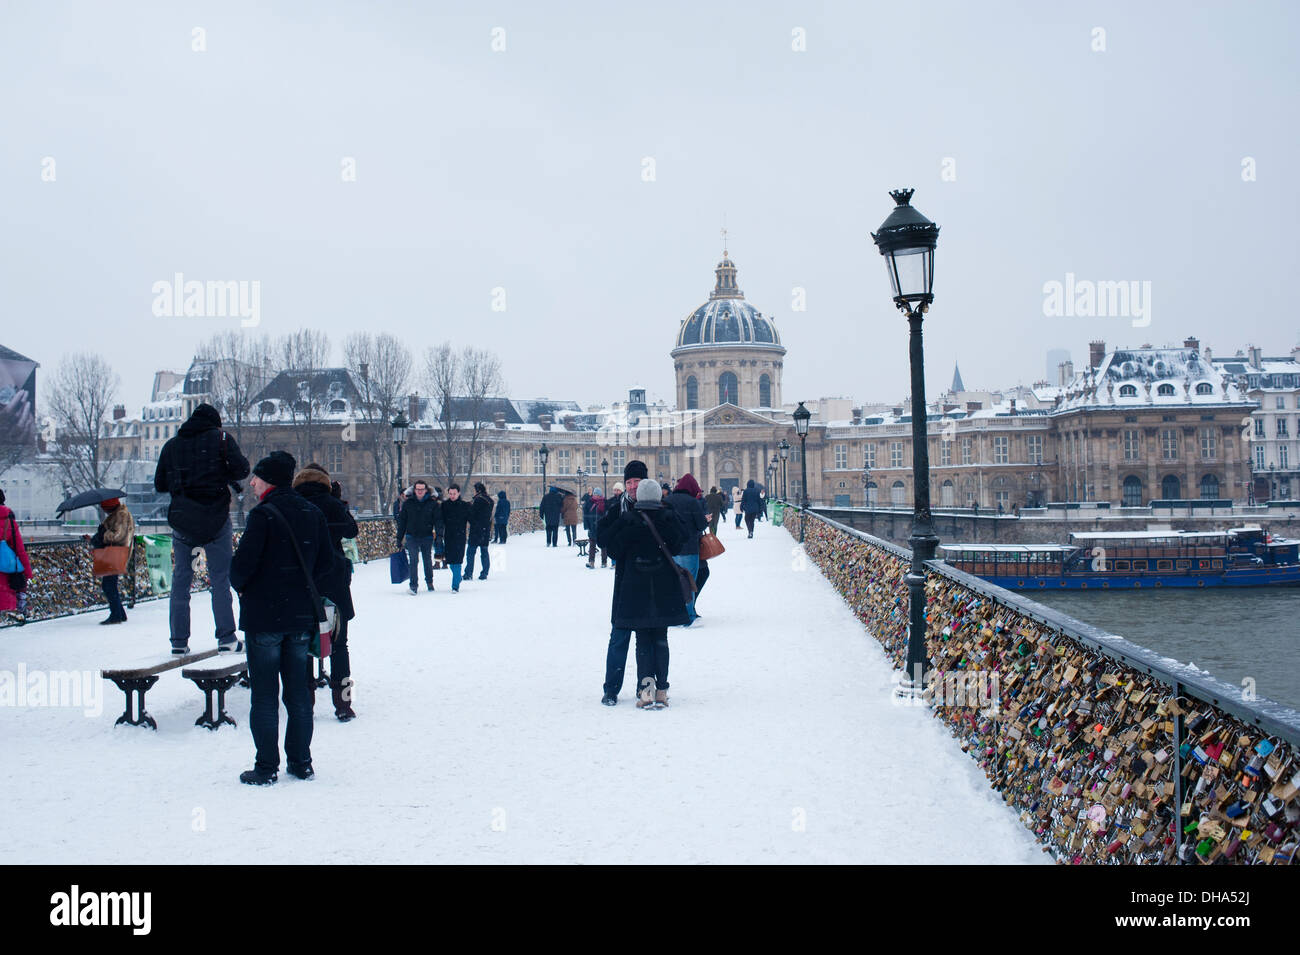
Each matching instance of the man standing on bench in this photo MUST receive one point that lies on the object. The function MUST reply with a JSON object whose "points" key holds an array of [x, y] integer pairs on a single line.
{"points": [[197, 467], [277, 615]]}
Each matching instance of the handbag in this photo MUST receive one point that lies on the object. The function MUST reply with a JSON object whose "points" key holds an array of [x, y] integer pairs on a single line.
{"points": [[398, 568], [109, 561], [683, 575], [9, 562], [326, 612], [710, 547]]}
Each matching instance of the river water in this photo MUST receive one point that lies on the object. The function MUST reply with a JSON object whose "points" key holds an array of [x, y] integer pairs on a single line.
{"points": [[1235, 634]]}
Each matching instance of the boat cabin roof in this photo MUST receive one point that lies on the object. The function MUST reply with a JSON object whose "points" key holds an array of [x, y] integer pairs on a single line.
{"points": [[1008, 548]]}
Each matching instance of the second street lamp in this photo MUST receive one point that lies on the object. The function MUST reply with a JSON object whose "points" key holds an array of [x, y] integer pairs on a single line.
{"points": [[907, 241], [543, 453], [400, 424], [801, 418], [604, 470], [784, 450]]}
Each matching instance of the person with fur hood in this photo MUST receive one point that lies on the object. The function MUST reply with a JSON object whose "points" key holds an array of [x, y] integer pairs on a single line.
{"points": [[117, 529]]}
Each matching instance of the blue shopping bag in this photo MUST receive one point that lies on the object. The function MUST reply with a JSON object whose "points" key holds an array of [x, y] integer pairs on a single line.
{"points": [[398, 569]]}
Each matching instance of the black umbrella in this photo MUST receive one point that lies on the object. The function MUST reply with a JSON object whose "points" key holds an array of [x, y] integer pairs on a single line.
{"points": [[90, 498]]}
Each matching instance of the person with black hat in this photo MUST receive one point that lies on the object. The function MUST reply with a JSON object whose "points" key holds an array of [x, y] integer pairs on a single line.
{"points": [[619, 637], [480, 530], [277, 614], [197, 468]]}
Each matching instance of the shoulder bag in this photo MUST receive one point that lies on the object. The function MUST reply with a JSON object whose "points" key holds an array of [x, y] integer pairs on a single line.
{"points": [[326, 612], [683, 575]]}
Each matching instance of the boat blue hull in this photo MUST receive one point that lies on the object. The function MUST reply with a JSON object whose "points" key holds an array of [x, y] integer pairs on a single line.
{"points": [[1288, 575]]}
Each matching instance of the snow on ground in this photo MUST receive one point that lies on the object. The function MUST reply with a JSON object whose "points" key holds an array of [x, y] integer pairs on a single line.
{"points": [[481, 737]]}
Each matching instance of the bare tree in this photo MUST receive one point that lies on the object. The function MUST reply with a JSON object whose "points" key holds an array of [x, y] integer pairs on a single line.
{"points": [[305, 353], [381, 367], [460, 384], [81, 399], [240, 364]]}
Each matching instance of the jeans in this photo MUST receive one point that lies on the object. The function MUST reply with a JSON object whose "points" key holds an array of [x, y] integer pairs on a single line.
{"points": [[272, 658], [616, 660], [415, 546], [552, 535], [749, 522], [692, 563], [570, 534], [469, 560], [115, 610], [340, 664], [499, 535], [455, 575], [738, 516], [218, 553], [652, 656], [713, 525]]}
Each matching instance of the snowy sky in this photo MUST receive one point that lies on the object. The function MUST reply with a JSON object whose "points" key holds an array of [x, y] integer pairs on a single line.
{"points": [[523, 169]]}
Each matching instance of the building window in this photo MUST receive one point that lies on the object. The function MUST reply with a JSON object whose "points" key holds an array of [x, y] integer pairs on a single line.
{"points": [[869, 456], [1128, 391], [728, 388], [334, 458], [564, 459], [495, 455], [1259, 457], [430, 466], [589, 457], [1001, 454], [1259, 428], [948, 494], [965, 451], [619, 462], [1205, 388], [692, 392], [1166, 391], [945, 454], [1132, 444], [1171, 488], [1280, 403], [1283, 456], [516, 461], [663, 459], [1209, 487], [1035, 448], [1132, 491], [1209, 444], [896, 493], [1002, 499], [1281, 428], [1169, 444], [338, 406], [896, 454], [841, 456], [765, 391]]}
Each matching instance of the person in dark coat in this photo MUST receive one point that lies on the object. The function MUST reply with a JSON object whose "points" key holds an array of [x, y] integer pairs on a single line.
{"points": [[750, 504], [552, 509], [417, 523], [313, 483], [500, 519], [593, 509], [687, 507], [647, 592], [619, 637], [197, 468], [714, 505], [480, 523], [277, 615], [455, 523]]}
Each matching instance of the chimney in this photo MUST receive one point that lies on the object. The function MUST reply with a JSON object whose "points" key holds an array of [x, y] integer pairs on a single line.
{"points": [[499, 419], [413, 407], [545, 421], [636, 400], [950, 406], [1192, 342], [1256, 356], [857, 416], [1064, 373], [1096, 353], [974, 405], [365, 371], [568, 423], [119, 412], [1013, 405]]}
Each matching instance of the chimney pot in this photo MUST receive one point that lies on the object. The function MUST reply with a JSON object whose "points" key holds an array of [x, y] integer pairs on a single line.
{"points": [[545, 421], [413, 407], [1096, 353], [499, 419], [119, 412], [1192, 342]]}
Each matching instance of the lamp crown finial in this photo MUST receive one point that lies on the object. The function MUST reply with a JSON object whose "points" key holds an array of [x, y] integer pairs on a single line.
{"points": [[902, 196]]}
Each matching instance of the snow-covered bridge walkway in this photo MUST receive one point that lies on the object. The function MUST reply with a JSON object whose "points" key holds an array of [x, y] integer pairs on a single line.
{"points": [[481, 738]]}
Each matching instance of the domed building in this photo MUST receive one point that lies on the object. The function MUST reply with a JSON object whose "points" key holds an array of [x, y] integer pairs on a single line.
{"points": [[727, 351]]}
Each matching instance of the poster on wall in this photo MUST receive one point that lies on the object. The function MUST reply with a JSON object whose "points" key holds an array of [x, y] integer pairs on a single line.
{"points": [[17, 400]]}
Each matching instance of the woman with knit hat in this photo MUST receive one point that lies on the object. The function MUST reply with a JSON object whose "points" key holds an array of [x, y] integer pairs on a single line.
{"points": [[117, 529]]}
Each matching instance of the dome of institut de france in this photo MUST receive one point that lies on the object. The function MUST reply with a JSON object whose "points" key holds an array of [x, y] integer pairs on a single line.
{"points": [[726, 318]]}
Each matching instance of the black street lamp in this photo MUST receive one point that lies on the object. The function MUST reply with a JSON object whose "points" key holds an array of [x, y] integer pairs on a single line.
{"points": [[604, 470], [866, 485], [784, 450], [400, 424], [543, 452], [907, 241], [801, 418]]}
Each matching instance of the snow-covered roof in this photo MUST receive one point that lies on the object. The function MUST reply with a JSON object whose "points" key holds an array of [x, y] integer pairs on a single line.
{"points": [[1146, 377]]}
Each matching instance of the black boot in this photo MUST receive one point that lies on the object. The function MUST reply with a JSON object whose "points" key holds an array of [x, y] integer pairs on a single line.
{"points": [[255, 777], [342, 706]]}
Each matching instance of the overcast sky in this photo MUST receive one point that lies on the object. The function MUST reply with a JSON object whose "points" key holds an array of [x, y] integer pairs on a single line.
{"points": [[524, 169]]}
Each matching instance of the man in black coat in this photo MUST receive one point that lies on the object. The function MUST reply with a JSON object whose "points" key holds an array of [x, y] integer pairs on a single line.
{"points": [[417, 522], [480, 530], [551, 508], [313, 483], [455, 524], [619, 637], [196, 467], [277, 615], [647, 592]]}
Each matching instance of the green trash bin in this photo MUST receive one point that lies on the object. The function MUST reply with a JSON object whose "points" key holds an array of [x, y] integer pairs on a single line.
{"points": [[778, 514], [158, 562]]}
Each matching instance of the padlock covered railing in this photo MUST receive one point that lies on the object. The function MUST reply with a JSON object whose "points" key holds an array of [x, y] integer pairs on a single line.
{"points": [[1109, 752]]}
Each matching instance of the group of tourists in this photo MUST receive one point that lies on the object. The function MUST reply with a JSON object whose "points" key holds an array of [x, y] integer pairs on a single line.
{"points": [[446, 529]]}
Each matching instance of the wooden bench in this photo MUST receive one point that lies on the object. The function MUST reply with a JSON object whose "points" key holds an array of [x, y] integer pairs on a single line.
{"points": [[216, 677], [138, 679], [582, 547]]}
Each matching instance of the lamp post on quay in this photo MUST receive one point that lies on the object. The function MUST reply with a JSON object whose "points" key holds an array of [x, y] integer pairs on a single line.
{"points": [[784, 450], [866, 486], [604, 470], [801, 418], [907, 241], [543, 452], [400, 424]]}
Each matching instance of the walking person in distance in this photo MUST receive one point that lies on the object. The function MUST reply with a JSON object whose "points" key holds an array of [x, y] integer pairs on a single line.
{"points": [[455, 522], [480, 523], [417, 522]]}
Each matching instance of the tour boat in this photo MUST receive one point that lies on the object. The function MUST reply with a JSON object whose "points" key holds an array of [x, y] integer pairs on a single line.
{"points": [[1129, 560]]}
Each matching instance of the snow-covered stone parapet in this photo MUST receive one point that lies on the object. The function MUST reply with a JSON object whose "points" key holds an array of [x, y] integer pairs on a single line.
{"points": [[1081, 734]]}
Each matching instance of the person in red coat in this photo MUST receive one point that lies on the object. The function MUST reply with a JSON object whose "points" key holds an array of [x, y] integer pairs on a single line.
{"points": [[11, 597]]}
